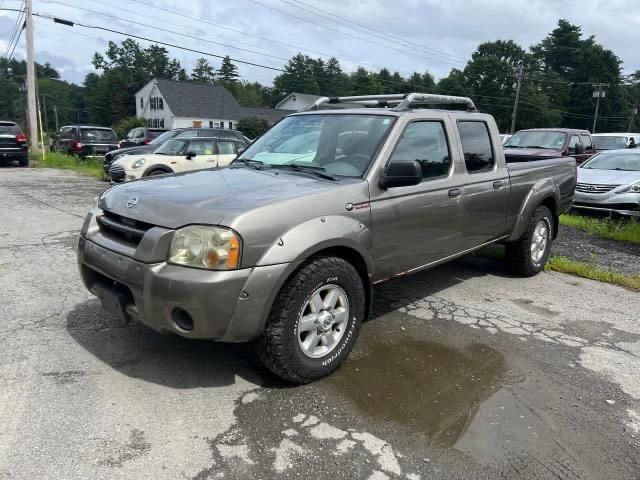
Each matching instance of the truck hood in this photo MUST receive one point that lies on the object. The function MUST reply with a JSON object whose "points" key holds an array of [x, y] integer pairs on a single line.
{"points": [[607, 177], [525, 154], [213, 197]]}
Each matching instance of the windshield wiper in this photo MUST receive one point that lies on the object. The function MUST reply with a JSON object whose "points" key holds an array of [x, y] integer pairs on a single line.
{"points": [[318, 171], [249, 162]]}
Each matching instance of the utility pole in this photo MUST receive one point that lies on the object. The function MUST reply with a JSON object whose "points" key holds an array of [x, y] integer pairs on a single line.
{"points": [[519, 75], [634, 112], [44, 109], [55, 114], [31, 80], [598, 94]]}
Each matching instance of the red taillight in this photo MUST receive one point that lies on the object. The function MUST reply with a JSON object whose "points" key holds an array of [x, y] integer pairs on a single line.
{"points": [[21, 137], [146, 141], [77, 146]]}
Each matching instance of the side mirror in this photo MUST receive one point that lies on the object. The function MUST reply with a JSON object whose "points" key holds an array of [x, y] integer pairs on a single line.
{"points": [[190, 155], [401, 174], [241, 150], [579, 148]]}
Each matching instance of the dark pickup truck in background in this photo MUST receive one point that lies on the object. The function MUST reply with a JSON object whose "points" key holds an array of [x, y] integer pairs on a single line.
{"points": [[541, 143], [284, 246]]}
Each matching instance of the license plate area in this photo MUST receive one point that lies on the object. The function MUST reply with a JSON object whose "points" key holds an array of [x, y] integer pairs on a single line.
{"points": [[113, 299]]}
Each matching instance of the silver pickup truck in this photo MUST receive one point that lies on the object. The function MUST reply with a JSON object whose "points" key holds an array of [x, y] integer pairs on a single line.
{"points": [[284, 246]]}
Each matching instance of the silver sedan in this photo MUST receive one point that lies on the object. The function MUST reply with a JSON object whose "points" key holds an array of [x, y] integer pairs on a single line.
{"points": [[610, 182]]}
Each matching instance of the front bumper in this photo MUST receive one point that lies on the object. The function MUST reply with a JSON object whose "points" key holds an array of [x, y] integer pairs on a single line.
{"points": [[229, 306], [620, 203]]}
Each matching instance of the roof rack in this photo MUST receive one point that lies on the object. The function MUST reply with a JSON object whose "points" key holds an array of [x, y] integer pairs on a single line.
{"points": [[397, 102]]}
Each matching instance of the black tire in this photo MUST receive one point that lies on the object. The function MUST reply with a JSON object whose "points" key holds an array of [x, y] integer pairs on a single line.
{"points": [[278, 347], [23, 161], [519, 254], [155, 172]]}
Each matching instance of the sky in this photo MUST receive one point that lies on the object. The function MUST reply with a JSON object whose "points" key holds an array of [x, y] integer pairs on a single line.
{"points": [[402, 35]]}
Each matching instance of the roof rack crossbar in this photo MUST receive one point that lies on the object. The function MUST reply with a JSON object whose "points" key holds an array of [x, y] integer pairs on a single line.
{"points": [[397, 101]]}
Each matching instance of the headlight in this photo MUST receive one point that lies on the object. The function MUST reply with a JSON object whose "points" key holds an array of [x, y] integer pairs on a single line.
{"points": [[138, 163], [633, 188], [213, 248]]}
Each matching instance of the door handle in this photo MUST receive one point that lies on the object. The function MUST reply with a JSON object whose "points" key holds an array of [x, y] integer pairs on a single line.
{"points": [[497, 185], [455, 193]]}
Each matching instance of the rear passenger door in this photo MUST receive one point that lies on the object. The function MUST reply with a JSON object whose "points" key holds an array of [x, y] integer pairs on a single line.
{"points": [[418, 225], [227, 151], [486, 185]]}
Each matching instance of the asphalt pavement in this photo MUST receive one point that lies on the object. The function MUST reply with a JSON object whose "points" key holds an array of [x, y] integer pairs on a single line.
{"points": [[463, 372]]}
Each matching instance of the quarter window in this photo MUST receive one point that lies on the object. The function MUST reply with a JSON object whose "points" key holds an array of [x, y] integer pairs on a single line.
{"points": [[476, 144], [426, 143]]}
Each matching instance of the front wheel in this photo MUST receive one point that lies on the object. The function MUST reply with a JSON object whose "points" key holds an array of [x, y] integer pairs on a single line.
{"points": [[314, 321], [528, 256]]}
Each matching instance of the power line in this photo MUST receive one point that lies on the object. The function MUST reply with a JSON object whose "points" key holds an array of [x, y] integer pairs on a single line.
{"points": [[14, 31], [162, 29], [16, 43]]}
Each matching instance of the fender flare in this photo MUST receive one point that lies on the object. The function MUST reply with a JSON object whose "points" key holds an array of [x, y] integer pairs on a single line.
{"points": [[543, 191], [157, 166]]}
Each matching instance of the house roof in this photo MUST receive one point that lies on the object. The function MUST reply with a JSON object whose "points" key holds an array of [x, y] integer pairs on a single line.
{"points": [[189, 99], [271, 115], [303, 99]]}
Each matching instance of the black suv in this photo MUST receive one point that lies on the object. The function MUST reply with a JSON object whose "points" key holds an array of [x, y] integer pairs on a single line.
{"points": [[141, 136], [176, 132], [85, 140], [13, 143]]}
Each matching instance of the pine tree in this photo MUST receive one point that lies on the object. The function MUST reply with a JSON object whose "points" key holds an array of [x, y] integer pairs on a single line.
{"points": [[203, 72]]}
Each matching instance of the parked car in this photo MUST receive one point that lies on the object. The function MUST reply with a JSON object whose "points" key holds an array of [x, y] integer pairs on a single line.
{"points": [[610, 182], [141, 136], [186, 132], [13, 144], [85, 140], [179, 154], [615, 141], [541, 143], [505, 138], [287, 254]]}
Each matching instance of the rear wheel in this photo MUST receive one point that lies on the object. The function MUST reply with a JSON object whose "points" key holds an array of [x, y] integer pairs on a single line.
{"points": [[314, 321], [528, 256]]}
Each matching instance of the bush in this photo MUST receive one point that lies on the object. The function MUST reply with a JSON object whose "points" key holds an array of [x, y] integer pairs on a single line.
{"points": [[126, 124], [253, 127]]}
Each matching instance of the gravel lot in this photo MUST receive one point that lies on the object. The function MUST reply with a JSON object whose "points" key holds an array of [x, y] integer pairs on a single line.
{"points": [[463, 372]]}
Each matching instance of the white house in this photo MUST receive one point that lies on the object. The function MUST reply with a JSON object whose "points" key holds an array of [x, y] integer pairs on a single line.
{"points": [[297, 101], [171, 104]]}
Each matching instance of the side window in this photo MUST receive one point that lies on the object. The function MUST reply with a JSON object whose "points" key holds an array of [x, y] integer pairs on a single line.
{"points": [[425, 142], [476, 144], [160, 103], [162, 123], [140, 133], [226, 148], [201, 147], [575, 140], [141, 103], [586, 141]]}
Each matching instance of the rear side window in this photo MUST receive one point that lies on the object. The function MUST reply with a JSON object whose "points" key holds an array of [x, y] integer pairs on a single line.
{"points": [[586, 141], [10, 128], [476, 144], [425, 142], [96, 135]]}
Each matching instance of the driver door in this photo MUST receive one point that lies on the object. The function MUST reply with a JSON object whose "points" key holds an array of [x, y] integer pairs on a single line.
{"points": [[205, 156]]}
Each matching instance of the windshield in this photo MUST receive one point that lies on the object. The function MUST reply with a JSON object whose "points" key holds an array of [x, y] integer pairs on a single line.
{"points": [[610, 143], [97, 135], [614, 161], [536, 139], [340, 144], [172, 147], [160, 139]]}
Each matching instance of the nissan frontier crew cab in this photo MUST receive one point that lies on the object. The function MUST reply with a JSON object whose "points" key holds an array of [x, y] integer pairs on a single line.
{"points": [[284, 246]]}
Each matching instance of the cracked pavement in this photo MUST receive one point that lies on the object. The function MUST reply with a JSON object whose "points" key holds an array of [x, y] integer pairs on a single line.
{"points": [[463, 372]]}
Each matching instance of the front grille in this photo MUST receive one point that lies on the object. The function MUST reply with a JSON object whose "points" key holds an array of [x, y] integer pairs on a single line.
{"points": [[117, 173], [594, 188], [122, 228], [610, 206]]}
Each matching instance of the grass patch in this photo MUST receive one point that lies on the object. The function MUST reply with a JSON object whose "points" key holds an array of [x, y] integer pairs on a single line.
{"points": [[586, 270], [621, 230], [91, 166]]}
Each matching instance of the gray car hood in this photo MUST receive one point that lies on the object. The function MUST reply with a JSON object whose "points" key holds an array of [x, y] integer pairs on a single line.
{"points": [[213, 197], [607, 177]]}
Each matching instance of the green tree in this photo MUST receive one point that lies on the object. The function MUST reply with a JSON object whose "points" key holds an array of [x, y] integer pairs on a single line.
{"points": [[364, 83], [253, 127], [126, 124], [298, 76], [203, 72], [228, 73]]}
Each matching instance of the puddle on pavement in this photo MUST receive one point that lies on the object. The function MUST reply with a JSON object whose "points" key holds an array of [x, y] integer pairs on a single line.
{"points": [[433, 388]]}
